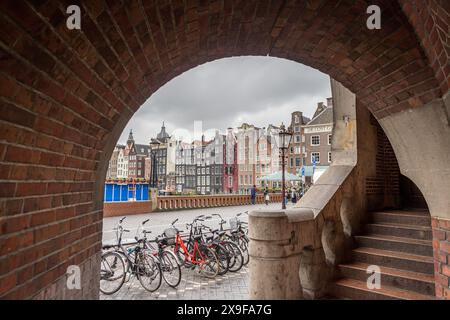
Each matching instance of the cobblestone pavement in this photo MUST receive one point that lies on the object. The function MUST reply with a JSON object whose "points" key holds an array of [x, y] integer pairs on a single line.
{"points": [[231, 286]]}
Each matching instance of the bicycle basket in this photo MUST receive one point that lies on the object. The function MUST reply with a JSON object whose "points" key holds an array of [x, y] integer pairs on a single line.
{"points": [[170, 234], [233, 223]]}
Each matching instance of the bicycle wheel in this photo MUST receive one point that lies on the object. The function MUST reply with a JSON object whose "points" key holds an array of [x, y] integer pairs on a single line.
{"points": [[112, 272], [236, 256], [209, 267], [171, 270], [223, 258], [244, 247], [148, 272]]}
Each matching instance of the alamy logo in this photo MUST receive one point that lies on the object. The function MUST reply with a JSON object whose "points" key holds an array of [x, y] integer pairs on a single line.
{"points": [[74, 20], [374, 20], [374, 280], [73, 278]]}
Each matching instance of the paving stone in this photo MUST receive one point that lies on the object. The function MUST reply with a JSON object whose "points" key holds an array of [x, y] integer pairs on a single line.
{"points": [[192, 287]]}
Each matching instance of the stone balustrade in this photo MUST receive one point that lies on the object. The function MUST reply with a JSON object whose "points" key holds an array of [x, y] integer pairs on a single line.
{"points": [[294, 252], [207, 201], [167, 203]]}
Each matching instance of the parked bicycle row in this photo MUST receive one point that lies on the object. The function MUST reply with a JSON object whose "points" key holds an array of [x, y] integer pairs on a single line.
{"points": [[210, 251]]}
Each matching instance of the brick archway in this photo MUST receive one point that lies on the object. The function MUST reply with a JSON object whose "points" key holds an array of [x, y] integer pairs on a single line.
{"points": [[67, 95]]}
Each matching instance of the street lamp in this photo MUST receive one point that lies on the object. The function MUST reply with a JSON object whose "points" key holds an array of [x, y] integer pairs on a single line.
{"points": [[154, 146], [285, 140]]}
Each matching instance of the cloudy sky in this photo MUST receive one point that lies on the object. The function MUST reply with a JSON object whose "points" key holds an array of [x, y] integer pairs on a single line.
{"points": [[227, 92]]}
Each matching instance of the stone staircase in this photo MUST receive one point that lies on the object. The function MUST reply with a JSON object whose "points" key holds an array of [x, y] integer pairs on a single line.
{"points": [[399, 242]]}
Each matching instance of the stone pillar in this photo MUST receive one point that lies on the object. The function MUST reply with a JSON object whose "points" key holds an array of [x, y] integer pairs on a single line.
{"points": [[275, 247], [153, 193]]}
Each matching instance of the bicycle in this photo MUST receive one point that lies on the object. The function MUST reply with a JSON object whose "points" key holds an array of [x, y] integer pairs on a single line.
{"points": [[237, 235], [221, 251], [112, 272], [168, 261], [199, 255], [137, 262]]}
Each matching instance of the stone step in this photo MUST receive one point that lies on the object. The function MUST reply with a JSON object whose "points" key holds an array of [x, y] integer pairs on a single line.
{"points": [[399, 230], [392, 243], [354, 289], [394, 259], [402, 217], [406, 280]]}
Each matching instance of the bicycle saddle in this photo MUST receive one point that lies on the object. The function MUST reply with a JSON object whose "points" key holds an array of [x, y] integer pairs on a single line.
{"points": [[198, 237]]}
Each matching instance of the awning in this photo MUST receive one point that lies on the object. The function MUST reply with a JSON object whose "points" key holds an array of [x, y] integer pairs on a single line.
{"points": [[309, 170], [277, 176]]}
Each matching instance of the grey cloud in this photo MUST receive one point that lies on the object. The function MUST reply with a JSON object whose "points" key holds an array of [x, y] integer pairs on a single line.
{"points": [[227, 92]]}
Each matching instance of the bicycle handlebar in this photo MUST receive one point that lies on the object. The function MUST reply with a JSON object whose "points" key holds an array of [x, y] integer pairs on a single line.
{"points": [[144, 222], [121, 220], [174, 221]]}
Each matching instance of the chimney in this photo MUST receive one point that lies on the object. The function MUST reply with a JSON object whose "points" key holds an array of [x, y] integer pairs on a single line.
{"points": [[330, 102]]}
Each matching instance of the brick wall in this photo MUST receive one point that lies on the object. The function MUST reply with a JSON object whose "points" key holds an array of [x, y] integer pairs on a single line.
{"points": [[441, 249], [431, 21], [383, 189], [114, 209], [66, 95]]}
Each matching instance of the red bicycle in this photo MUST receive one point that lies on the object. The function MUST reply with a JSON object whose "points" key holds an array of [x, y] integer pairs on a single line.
{"points": [[194, 254]]}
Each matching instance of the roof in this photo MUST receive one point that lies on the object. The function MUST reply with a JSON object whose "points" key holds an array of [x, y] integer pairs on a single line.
{"points": [[326, 116], [139, 147], [163, 136]]}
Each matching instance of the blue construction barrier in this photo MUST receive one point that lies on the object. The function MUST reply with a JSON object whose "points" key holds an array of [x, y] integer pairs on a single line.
{"points": [[115, 192]]}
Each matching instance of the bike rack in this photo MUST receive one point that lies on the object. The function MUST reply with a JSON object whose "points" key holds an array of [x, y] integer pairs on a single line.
{"points": [[185, 235]]}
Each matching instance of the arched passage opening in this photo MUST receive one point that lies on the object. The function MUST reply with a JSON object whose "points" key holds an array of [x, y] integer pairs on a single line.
{"points": [[66, 96]]}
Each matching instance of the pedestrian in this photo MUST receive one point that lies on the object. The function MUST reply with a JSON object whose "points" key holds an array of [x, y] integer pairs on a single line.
{"points": [[266, 196], [294, 196], [253, 194]]}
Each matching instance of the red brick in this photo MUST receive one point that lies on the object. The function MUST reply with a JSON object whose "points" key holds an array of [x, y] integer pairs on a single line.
{"points": [[7, 282], [438, 234], [22, 155], [446, 270], [445, 246], [31, 189]]}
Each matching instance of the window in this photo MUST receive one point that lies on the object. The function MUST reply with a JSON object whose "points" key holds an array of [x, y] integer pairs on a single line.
{"points": [[315, 155], [296, 129], [297, 139], [329, 139], [329, 156], [292, 162], [315, 140], [297, 162]]}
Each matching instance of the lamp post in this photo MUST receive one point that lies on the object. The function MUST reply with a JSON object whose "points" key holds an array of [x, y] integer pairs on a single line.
{"points": [[285, 140], [154, 146]]}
